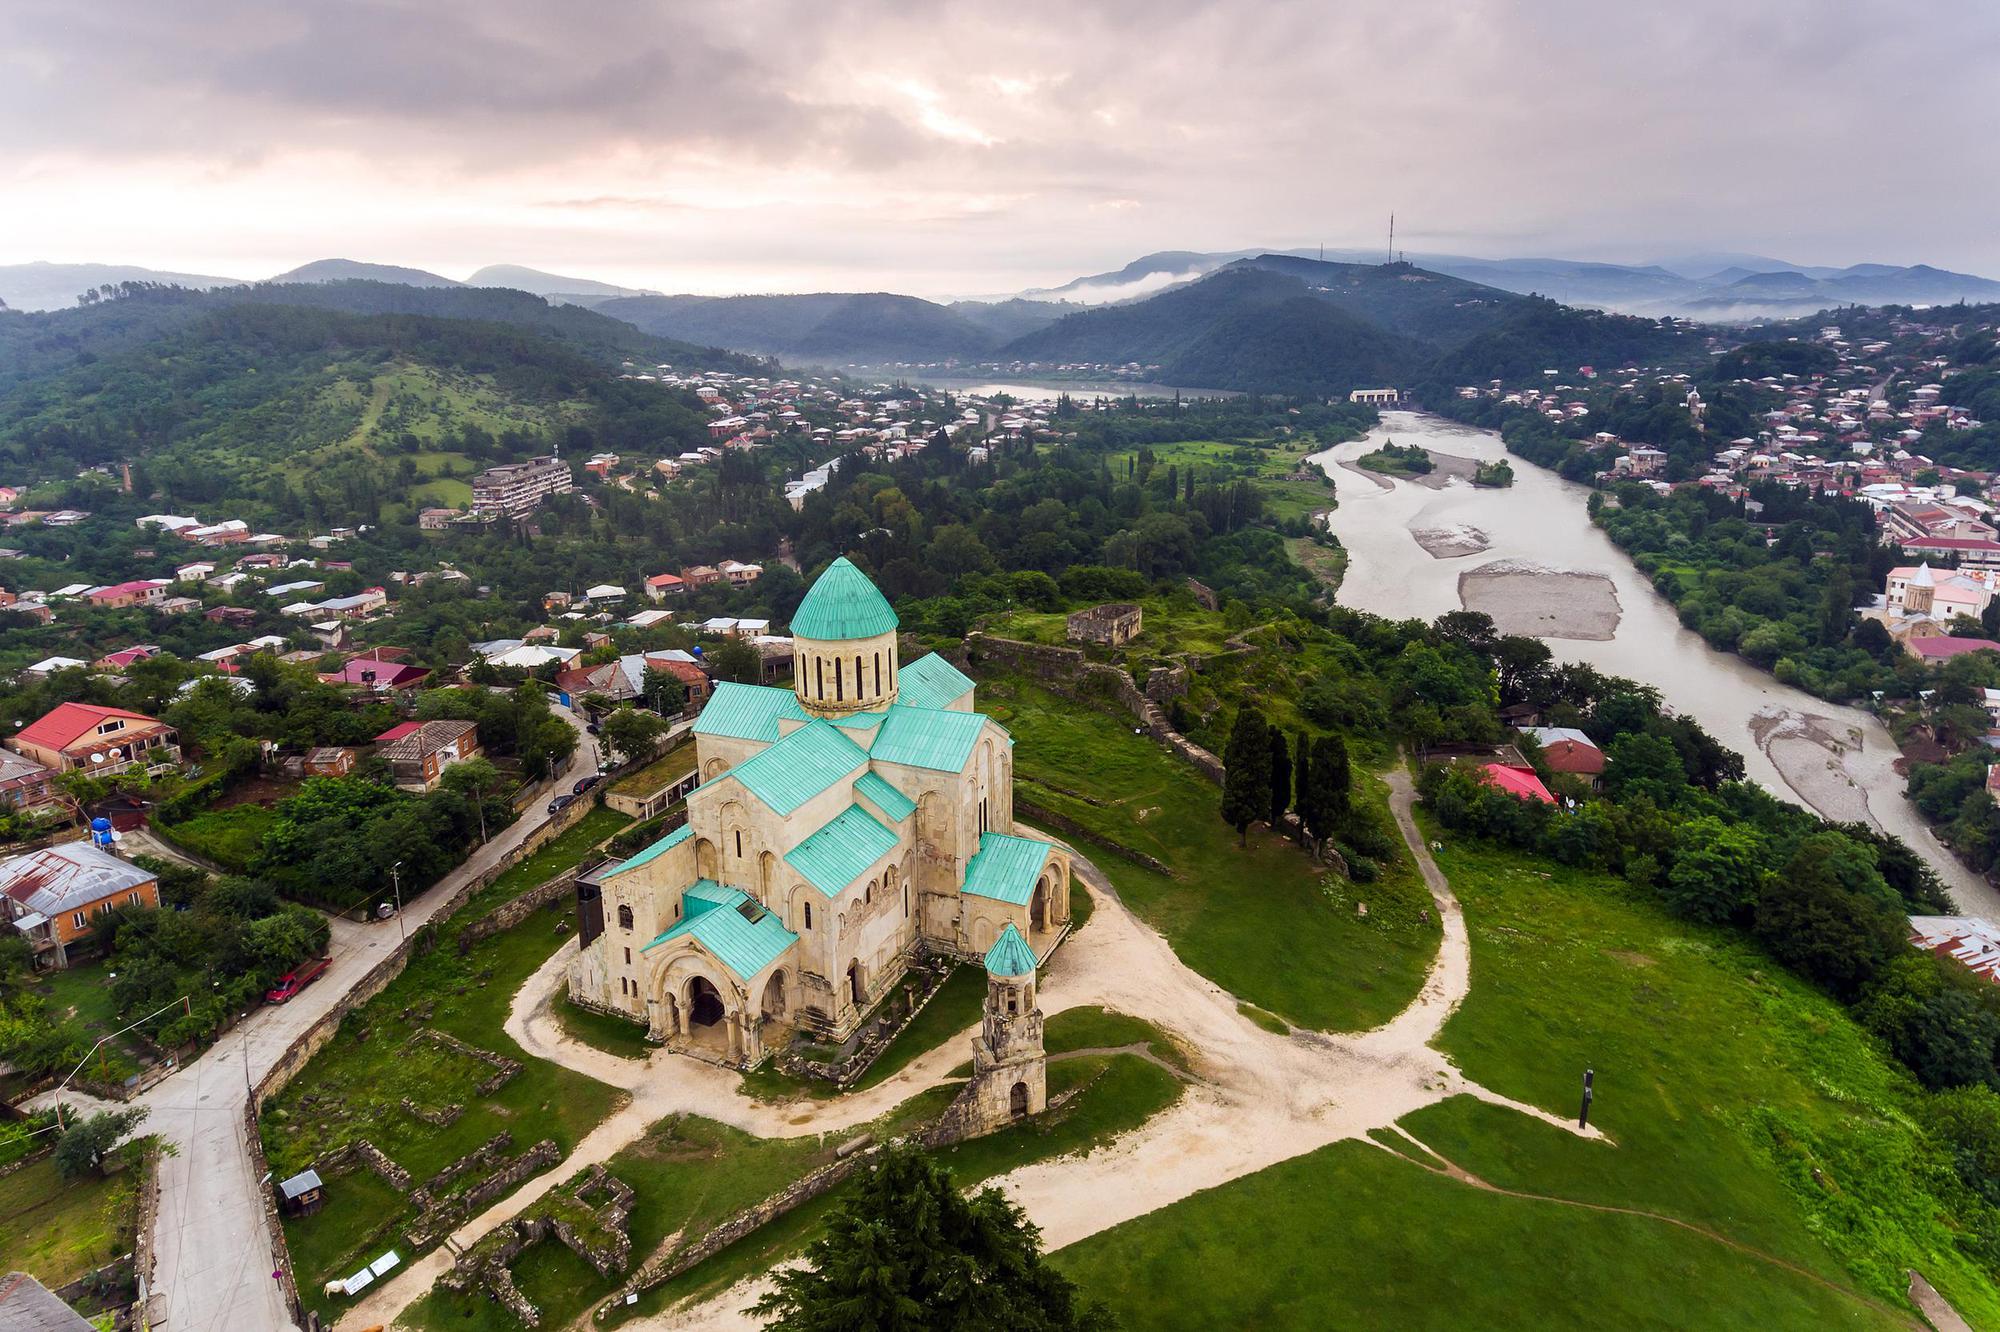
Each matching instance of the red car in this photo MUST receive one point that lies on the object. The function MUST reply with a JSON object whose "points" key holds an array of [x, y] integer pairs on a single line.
{"points": [[297, 979]]}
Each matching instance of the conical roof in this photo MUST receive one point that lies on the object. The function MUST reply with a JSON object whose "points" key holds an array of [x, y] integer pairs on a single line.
{"points": [[1010, 955], [843, 604]]}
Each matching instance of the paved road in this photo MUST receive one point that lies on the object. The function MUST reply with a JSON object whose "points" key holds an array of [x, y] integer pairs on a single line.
{"points": [[214, 1267]]}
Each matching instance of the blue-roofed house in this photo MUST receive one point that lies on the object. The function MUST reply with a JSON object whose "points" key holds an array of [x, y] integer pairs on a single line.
{"points": [[842, 827]]}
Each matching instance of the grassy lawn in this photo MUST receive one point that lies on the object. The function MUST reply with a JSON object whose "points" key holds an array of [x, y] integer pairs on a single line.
{"points": [[1266, 922], [614, 1036], [1326, 563], [670, 767], [1095, 1028], [1351, 1236], [58, 1229], [355, 1086], [1735, 1097], [230, 837]]}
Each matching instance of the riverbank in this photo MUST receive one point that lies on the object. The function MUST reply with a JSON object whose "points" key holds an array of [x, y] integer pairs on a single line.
{"points": [[1542, 603], [1541, 522]]}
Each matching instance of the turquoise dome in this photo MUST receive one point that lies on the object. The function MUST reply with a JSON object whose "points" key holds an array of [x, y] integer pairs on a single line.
{"points": [[843, 604]]}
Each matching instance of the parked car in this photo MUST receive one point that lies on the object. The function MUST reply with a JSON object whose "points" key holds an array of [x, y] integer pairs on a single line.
{"points": [[560, 803], [585, 783], [297, 979]]}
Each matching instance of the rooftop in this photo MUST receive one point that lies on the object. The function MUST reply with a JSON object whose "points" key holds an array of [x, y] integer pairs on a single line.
{"points": [[843, 604]]}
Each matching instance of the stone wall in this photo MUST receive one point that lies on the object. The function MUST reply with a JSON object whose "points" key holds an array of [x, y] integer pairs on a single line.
{"points": [[1066, 671], [309, 1042], [844, 1072]]}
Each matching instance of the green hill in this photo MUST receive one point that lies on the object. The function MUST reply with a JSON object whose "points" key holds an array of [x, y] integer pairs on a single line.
{"points": [[837, 328]]}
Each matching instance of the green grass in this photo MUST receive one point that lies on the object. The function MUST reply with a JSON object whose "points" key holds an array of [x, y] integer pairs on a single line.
{"points": [[662, 771], [1326, 563], [1735, 1098], [354, 1086], [613, 1035], [1270, 1022], [57, 1229], [1264, 922], [1095, 1028], [230, 837], [1352, 1236]]}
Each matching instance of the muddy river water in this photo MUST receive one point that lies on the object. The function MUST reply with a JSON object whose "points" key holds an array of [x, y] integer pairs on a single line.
{"points": [[1529, 556]]}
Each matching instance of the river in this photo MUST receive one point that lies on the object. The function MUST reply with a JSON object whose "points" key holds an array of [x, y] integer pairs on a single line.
{"points": [[1832, 759]]}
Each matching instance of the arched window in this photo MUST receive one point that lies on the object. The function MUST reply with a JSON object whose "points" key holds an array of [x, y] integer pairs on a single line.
{"points": [[839, 685], [809, 915], [906, 900], [878, 672], [819, 677], [857, 676], [624, 917], [868, 894]]}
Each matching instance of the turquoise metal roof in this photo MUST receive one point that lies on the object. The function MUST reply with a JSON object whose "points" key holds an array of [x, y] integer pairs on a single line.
{"points": [[745, 941], [655, 851], [1010, 955], [842, 604], [927, 737], [747, 712], [1005, 868], [842, 851], [884, 797], [800, 766], [931, 682], [858, 721]]}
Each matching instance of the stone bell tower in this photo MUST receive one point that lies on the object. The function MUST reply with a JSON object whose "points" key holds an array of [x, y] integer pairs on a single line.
{"points": [[1009, 1066]]}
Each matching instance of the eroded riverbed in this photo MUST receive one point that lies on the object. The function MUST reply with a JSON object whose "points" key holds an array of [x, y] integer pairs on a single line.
{"points": [[1538, 541]]}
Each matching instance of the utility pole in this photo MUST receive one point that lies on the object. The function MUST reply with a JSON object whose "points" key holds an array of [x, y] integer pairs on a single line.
{"points": [[1392, 238], [396, 873]]}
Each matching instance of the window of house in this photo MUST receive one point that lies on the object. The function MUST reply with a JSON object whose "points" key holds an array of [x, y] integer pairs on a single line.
{"points": [[78, 921], [624, 917]]}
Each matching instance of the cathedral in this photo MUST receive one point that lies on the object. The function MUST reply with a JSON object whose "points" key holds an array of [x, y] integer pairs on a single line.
{"points": [[843, 826]]}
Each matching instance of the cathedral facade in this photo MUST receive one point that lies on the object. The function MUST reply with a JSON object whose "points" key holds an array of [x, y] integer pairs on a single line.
{"points": [[842, 827]]}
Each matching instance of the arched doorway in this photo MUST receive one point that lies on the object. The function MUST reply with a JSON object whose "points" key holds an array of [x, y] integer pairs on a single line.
{"points": [[1017, 1100], [854, 986], [1038, 906], [704, 858], [774, 996], [704, 1003]]}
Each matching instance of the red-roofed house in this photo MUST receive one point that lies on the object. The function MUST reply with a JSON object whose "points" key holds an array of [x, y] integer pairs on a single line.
{"points": [[419, 752], [138, 592], [1931, 651], [661, 586], [79, 735], [376, 674], [1515, 782], [118, 661]]}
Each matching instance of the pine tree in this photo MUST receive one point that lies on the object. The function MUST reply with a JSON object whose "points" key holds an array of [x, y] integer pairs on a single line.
{"points": [[1332, 784], [1281, 778], [1302, 782], [1246, 777], [909, 1253]]}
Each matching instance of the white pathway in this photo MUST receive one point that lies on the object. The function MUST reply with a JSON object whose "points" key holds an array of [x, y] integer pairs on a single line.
{"points": [[214, 1265], [1260, 1098]]}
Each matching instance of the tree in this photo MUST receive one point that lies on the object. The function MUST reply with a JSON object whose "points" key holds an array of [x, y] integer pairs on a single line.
{"points": [[1281, 778], [632, 732], [736, 661], [664, 692], [1246, 776], [1832, 934], [1302, 782], [1640, 764], [475, 779], [910, 1253], [1716, 870], [83, 1148], [1332, 783]]}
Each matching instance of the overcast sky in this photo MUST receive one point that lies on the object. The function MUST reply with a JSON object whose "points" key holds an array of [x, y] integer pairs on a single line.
{"points": [[941, 148]]}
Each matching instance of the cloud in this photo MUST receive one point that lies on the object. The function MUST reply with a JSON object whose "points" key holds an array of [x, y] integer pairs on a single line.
{"points": [[956, 146]]}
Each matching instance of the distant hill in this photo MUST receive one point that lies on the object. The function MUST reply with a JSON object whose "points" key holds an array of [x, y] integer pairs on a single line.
{"points": [[1245, 327], [1007, 320], [554, 286], [828, 328], [1723, 286], [45, 286], [341, 270]]}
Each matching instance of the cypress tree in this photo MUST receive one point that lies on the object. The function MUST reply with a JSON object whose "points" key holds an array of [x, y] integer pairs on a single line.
{"points": [[1246, 776], [1281, 778], [1302, 782], [1331, 783]]}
